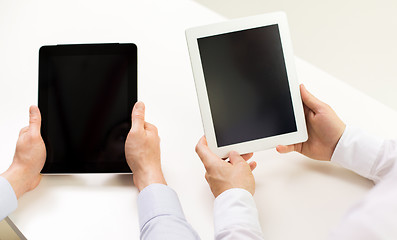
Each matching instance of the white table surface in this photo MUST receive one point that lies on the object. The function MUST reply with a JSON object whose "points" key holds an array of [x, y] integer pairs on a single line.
{"points": [[297, 198]]}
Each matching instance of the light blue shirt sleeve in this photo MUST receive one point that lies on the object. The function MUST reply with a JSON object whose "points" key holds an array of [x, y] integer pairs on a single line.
{"points": [[8, 199], [236, 216], [161, 215]]}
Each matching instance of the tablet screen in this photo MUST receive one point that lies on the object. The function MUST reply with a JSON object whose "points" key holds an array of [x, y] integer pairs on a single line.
{"points": [[88, 100], [247, 85]]}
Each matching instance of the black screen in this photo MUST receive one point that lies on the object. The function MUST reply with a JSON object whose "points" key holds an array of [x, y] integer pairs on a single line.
{"points": [[88, 102], [247, 85]]}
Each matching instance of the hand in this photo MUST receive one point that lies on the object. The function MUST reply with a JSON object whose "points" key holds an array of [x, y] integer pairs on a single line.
{"points": [[30, 154], [324, 129], [142, 150], [222, 175]]}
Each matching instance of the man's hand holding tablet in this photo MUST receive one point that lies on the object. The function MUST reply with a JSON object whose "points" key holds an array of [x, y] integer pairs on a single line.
{"points": [[325, 129]]}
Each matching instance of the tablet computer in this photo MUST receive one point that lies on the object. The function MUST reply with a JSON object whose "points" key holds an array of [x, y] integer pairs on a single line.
{"points": [[247, 84], [86, 95]]}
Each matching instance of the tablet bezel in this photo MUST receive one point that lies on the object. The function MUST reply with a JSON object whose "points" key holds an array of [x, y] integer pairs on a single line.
{"points": [[128, 49], [192, 36]]}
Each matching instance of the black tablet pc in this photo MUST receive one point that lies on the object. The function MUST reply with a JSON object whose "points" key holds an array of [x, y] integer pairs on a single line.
{"points": [[86, 94]]}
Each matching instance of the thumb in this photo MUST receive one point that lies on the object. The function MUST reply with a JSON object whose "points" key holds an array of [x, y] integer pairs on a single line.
{"points": [[285, 148], [34, 119], [205, 154], [309, 100], [234, 157], [138, 116]]}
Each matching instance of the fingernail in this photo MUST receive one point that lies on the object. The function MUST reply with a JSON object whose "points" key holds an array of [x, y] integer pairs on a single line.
{"points": [[33, 110], [139, 105]]}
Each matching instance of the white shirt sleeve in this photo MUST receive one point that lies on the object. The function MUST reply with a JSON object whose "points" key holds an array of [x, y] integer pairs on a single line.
{"points": [[236, 216], [8, 199], [369, 156], [161, 215], [375, 216]]}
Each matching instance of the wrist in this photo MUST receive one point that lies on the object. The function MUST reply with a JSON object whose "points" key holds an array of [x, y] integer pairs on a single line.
{"points": [[14, 176], [143, 179], [21, 178]]}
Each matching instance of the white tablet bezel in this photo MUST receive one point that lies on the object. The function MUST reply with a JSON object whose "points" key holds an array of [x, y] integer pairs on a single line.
{"points": [[278, 18]]}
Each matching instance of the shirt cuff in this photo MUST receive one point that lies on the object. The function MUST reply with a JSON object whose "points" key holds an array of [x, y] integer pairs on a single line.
{"points": [[8, 199], [158, 200], [235, 207], [357, 151]]}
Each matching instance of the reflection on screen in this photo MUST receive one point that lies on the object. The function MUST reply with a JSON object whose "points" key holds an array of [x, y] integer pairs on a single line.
{"points": [[88, 116], [247, 85]]}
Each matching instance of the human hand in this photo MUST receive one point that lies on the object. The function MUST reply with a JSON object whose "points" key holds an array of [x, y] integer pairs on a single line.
{"points": [[222, 175], [324, 128], [30, 154], [142, 150]]}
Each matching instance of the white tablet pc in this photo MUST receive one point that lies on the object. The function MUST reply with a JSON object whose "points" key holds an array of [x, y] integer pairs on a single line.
{"points": [[247, 84]]}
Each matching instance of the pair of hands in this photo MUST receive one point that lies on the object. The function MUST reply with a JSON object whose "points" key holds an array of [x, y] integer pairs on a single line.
{"points": [[142, 151], [324, 131]]}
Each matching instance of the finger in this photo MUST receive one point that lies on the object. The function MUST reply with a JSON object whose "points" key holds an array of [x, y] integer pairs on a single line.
{"points": [[309, 114], [252, 165], [285, 149], [204, 152], [306, 110], [138, 116], [206, 176], [309, 100], [247, 156], [23, 130], [34, 119], [150, 127], [234, 157]]}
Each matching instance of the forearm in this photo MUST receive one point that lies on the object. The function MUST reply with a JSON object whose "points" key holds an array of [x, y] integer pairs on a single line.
{"points": [[161, 215], [18, 177], [12, 177], [236, 216]]}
